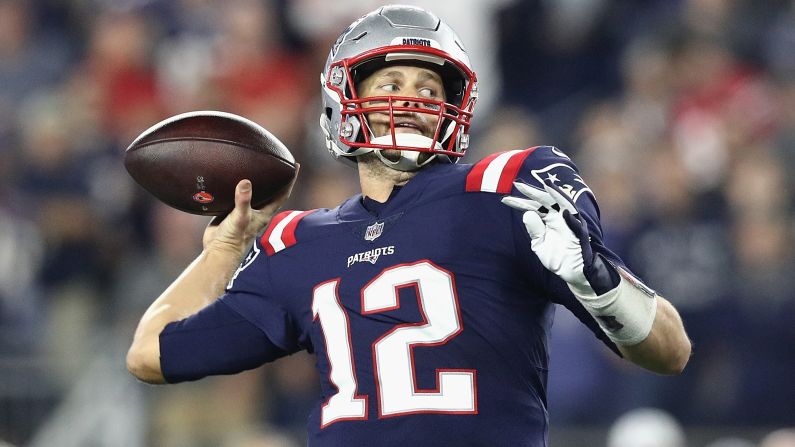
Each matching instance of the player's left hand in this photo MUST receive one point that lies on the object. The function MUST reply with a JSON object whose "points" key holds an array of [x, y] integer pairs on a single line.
{"points": [[559, 237]]}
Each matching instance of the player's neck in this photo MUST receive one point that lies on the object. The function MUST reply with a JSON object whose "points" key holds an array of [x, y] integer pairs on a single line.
{"points": [[377, 180]]}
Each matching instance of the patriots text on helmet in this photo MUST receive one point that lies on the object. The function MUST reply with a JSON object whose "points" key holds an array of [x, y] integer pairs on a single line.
{"points": [[413, 41]]}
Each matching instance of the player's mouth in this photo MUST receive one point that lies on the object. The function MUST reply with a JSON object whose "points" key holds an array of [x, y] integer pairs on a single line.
{"points": [[404, 123], [412, 125], [408, 127]]}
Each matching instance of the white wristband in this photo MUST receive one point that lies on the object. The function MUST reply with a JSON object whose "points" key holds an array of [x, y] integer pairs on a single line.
{"points": [[626, 313]]}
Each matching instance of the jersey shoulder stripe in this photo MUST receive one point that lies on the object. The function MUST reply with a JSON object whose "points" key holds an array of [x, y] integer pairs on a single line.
{"points": [[281, 231], [497, 172]]}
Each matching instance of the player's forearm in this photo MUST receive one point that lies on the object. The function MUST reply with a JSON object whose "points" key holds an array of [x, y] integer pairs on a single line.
{"points": [[666, 350], [200, 284]]}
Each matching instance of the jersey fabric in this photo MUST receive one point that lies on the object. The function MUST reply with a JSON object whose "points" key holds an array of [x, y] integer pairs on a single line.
{"points": [[429, 314]]}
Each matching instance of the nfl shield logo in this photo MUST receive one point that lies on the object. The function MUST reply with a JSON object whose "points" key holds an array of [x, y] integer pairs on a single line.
{"points": [[374, 231]]}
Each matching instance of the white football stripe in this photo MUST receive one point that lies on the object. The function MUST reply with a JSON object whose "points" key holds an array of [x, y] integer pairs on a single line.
{"points": [[275, 238], [491, 176]]}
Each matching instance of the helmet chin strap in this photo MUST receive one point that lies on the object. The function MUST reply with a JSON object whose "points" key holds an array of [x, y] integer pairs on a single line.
{"points": [[409, 160]]}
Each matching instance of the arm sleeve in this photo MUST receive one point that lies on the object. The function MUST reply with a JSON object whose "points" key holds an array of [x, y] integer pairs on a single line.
{"points": [[216, 340]]}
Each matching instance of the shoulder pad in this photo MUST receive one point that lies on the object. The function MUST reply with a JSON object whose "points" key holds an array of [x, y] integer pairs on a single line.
{"points": [[497, 172], [280, 233], [553, 165]]}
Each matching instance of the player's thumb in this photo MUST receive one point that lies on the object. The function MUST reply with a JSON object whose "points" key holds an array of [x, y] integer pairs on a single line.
{"points": [[534, 225], [243, 199]]}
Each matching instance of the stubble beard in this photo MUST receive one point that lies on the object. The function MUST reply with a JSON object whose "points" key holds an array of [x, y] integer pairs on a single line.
{"points": [[371, 165]]}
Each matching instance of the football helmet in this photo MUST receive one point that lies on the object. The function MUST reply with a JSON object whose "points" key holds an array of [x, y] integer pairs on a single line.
{"points": [[394, 35]]}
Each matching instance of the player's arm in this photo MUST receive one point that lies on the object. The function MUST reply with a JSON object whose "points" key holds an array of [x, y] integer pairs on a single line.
{"points": [[666, 349], [645, 327], [202, 282]]}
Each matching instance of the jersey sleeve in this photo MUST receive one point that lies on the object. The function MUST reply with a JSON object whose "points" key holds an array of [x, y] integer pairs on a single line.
{"points": [[250, 294], [216, 340], [544, 163], [241, 330]]}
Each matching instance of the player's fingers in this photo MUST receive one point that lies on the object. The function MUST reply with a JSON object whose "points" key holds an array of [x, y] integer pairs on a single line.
{"points": [[242, 212], [534, 225], [561, 198], [539, 196], [521, 204], [576, 224]]}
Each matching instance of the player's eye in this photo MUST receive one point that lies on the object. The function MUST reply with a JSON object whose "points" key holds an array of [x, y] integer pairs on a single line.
{"points": [[427, 92], [390, 88]]}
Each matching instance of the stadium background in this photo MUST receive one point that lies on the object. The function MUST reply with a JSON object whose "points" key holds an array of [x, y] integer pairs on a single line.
{"points": [[680, 113]]}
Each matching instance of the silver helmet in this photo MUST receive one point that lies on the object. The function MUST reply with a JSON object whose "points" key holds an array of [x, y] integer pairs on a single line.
{"points": [[390, 35]]}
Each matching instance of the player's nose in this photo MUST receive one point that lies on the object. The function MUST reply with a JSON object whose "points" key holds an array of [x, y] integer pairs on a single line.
{"points": [[405, 102]]}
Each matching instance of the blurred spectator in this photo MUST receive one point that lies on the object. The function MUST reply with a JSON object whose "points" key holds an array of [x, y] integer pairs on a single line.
{"points": [[146, 270], [255, 75], [51, 181], [265, 437], [784, 437], [119, 69], [21, 309], [507, 128], [731, 442], [646, 427], [31, 58], [209, 412], [723, 106], [293, 390], [761, 200]]}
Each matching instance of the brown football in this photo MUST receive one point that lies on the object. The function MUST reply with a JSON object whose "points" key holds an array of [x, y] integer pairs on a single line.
{"points": [[194, 160]]}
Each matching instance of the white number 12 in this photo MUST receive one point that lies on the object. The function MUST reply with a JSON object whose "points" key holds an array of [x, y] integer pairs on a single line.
{"points": [[455, 391]]}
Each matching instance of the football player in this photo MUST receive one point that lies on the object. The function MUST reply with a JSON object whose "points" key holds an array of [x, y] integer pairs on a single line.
{"points": [[428, 298]]}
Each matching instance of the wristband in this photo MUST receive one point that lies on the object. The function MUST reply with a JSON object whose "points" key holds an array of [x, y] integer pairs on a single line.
{"points": [[626, 313]]}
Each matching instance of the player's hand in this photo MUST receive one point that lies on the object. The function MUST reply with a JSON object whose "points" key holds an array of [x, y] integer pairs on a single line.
{"points": [[237, 230], [559, 237]]}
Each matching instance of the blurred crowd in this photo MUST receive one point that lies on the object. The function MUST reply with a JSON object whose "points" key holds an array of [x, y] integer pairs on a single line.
{"points": [[680, 114]]}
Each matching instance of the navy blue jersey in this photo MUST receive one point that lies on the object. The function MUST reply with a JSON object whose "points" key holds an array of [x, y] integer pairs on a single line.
{"points": [[429, 314]]}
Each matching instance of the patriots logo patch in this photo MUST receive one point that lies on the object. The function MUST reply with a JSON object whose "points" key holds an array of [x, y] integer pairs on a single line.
{"points": [[249, 259], [565, 177]]}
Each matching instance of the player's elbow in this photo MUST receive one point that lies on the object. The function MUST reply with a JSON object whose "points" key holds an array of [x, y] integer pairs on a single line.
{"points": [[677, 359], [144, 364], [683, 357]]}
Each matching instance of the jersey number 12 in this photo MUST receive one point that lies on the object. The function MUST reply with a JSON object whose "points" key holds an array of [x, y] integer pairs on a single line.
{"points": [[398, 395]]}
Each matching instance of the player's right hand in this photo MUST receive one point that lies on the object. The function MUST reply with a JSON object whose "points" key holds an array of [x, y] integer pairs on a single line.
{"points": [[559, 237], [236, 231]]}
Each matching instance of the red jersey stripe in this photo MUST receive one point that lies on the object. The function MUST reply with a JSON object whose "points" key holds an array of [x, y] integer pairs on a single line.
{"points": [[475, 176], [288, 236], [511, 170], [264, 240]]}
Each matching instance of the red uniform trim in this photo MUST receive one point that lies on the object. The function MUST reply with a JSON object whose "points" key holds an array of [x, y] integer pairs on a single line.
{"points": [[511, 170], [288, 236], [475, 176], [508, 174]]}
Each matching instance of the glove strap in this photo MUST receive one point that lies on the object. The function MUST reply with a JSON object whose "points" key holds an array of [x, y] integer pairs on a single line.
{"points": [[625, 313]]}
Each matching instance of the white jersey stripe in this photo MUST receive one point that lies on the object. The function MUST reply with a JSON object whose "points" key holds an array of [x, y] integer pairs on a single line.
{"points": [[275, 238], [491, 176]]}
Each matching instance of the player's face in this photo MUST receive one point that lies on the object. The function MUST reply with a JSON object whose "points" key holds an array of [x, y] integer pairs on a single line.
{"points": [[404, 81]]}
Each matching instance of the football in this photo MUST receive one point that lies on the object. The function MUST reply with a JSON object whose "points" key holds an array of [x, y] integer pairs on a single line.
{"points": [[194, 160]]}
